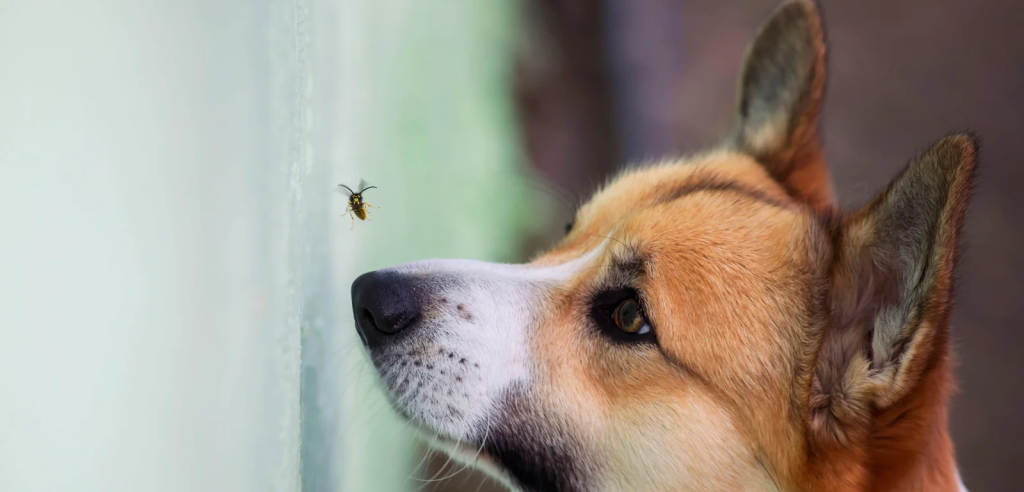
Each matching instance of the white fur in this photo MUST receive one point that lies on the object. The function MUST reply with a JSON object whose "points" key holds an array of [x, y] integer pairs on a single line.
{"points": [[505, 302]]}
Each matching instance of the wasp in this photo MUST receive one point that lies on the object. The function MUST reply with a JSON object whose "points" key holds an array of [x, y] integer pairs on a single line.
{"points": [[356, 205]]}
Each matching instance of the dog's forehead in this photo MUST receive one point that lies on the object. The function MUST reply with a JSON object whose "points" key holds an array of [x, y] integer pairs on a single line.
{"points": [[642, 187], [619, 208]]}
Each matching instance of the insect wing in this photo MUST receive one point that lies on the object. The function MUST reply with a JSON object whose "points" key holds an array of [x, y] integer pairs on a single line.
{"points": [[363, 185]]}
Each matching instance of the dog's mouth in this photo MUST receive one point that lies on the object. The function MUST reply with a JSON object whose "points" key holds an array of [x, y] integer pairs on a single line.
{"points": [[434, 395], [502, 431]]}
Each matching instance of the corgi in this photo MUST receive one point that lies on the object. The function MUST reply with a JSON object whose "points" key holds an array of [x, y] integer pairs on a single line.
{"points": [[712, 323]]}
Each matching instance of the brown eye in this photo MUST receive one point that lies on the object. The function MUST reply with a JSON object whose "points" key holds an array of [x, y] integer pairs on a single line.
{"points": [[629, 319], [619, 315]]}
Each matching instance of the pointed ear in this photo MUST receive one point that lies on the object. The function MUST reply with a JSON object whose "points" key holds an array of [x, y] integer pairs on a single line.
{"points": [[780, 91], [892, 281]]}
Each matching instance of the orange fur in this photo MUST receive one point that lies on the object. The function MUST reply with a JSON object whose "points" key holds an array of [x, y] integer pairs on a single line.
{"points": [[766, 300]]}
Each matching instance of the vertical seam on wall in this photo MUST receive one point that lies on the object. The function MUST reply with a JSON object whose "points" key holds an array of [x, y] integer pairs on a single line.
{"points": [[298, 256]]}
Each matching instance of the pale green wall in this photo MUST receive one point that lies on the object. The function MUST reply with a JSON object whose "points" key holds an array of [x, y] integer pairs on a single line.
{"points": [[413, 96]]}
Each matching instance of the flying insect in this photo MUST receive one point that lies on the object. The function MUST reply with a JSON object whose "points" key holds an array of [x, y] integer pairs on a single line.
{"points": [[356, 205]]}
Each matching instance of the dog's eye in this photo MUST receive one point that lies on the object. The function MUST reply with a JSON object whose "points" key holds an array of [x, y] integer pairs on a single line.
{"points": [[629, 318], [568, 226], [619, 314]]}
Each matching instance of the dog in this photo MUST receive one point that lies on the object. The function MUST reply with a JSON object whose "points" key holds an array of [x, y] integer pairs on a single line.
{"points": [[712, 323]]}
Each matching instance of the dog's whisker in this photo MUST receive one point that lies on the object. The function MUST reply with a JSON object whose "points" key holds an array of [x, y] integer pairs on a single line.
{"points": [[483, 480], [624, 245], [416, 469], [428, 453], [435, 478]]}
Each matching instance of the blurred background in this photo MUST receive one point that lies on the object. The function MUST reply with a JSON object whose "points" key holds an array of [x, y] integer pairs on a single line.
{"points": [[175, 265]]}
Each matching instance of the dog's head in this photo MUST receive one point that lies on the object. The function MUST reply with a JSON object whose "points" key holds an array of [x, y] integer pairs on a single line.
{"points": [[707, 324]]}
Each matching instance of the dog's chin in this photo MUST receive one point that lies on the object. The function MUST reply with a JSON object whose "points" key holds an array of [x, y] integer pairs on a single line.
{"points": [[468, 455], [467, 451], [517, 448]]}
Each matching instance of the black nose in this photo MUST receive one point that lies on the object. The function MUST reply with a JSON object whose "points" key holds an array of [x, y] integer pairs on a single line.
{"points": [[383, 304]]}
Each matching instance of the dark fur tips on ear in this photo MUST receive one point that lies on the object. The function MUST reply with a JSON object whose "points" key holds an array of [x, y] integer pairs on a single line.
{"points": [[891, 290], [916, 225], [933, 188], [784, 68], [781, 87], [916, 222]]}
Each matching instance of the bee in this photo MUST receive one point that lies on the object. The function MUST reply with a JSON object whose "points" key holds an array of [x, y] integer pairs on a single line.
{"points": [[356, 205]]}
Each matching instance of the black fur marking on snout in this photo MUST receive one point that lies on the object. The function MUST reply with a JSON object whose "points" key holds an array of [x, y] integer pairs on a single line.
{"points": [[538, 457]]}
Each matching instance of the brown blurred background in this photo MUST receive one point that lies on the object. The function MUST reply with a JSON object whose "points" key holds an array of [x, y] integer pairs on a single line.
{"points": [[600, 84]]}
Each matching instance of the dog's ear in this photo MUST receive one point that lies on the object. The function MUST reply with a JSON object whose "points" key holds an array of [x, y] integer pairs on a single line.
{"points": [[781, 87], [892, 281]]}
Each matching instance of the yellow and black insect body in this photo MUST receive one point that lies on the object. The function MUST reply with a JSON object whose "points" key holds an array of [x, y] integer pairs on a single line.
{"points": [[356, 205]]}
